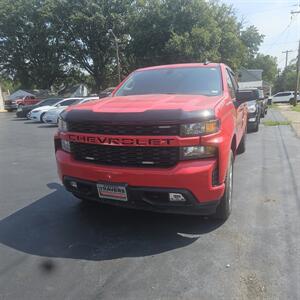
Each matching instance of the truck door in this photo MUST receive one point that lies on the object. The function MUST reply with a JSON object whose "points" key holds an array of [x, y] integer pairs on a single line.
{"points": [[241, 110]]}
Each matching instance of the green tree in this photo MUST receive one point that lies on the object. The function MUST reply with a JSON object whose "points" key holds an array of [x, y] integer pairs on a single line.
{"points": [[287, 79], [172, 31], [85, 25], [31, 49], [252, 39]]}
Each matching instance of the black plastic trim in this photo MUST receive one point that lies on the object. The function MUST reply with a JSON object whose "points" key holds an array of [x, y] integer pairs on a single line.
{"points": [[174, 116], [136, 198]]}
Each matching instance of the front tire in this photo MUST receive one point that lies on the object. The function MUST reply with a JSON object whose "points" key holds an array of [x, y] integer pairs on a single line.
{"points": [[224, 208], [255, 129], [41, 117]]}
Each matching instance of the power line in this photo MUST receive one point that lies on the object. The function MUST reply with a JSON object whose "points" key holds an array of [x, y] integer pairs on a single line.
{"points": [[279, 35]]}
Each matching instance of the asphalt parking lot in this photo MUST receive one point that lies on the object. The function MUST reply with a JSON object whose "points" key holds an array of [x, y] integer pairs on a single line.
{"points": [[53, 247]]}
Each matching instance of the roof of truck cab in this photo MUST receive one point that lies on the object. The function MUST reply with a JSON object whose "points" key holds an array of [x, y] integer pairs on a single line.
{"points": [[174, 66]]}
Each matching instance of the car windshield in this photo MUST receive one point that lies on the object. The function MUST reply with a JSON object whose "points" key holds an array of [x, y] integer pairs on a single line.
{"points": [[186, 81], [49, 102]]}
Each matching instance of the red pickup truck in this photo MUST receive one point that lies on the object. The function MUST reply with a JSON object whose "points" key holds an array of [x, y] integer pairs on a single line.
{"points": [[11, 105], [165, 141]]}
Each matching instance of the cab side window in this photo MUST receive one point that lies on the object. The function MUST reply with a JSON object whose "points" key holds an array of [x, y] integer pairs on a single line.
{"points": [[231, 87]]}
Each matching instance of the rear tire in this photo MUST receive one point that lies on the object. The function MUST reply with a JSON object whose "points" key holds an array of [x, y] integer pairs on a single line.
{"points": [[224, 208]]}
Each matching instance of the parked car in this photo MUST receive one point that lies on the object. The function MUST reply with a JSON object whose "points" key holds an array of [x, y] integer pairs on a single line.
{"points": [[11, 105], [52, 115], [254, 108], [165, 141], [283, 97], [22, 111], [106, 93], [263, 100], [38, 113]]}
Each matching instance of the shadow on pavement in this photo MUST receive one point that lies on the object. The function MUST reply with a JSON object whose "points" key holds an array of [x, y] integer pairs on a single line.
{"points": [[47, 126], [58, 225], [15, 119]]}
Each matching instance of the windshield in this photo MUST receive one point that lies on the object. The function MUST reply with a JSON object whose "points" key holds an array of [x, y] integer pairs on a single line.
{"points": [[49, 101], [186, 81]]}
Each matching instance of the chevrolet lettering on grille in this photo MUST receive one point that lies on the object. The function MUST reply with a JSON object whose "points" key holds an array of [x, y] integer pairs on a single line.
{"points": [[121, 141]]}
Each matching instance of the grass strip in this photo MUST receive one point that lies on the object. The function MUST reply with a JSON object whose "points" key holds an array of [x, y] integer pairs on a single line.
{"points": [[276, 123]]}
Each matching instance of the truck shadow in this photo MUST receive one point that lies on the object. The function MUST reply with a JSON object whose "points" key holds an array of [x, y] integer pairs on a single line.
{"points": [[59, 226]]}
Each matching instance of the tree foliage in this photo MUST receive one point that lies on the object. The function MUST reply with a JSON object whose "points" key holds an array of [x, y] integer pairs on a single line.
{"points": [[286, 81], [44, 42], [31, 50]]}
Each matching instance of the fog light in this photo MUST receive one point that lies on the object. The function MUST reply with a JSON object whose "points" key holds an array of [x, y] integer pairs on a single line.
{"points": [[175, 197], [66, 145], [73, 184]]}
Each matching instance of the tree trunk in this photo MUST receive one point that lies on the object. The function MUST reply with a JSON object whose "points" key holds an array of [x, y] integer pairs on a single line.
{"points": [[98, 82]]}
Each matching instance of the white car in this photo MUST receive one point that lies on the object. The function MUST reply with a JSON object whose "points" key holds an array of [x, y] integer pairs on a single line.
{"points": [[284, 97], [38, 113], [51, 116]]}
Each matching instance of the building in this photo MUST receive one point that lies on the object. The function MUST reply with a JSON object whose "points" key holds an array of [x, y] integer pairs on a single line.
{"points": [[252, 78]]}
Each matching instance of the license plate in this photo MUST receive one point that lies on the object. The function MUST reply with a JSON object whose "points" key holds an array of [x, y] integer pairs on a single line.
{"points": [[112, 191]]}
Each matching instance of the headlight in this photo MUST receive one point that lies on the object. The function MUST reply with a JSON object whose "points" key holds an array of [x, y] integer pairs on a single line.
{"points": [[65, 145], [201, 128], [196, 152], [35, 111], [252, 108], [62, 125]]}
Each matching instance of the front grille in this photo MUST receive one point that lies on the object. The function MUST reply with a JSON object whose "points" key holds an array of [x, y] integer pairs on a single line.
{"points": [[89, 127], [126, 156]]}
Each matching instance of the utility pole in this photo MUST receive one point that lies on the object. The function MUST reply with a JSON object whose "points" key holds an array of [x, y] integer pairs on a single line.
{"points": [[287, 56], [297, 77], [117, 53], [296, 12]]}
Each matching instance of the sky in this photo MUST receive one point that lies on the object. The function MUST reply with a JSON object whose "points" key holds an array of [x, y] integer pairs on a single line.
{"points": [[273, 19]]}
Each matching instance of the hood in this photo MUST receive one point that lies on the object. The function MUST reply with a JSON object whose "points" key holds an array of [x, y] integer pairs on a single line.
{"points": [[250, 103], [56, 110], [145, 109], [142, 103], [43, 108]]}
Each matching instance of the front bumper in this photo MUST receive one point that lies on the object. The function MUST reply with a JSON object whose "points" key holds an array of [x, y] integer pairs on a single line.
{"points": [[145, 198], [195, 177], [253, 117], [11, 106], [21, 114]]}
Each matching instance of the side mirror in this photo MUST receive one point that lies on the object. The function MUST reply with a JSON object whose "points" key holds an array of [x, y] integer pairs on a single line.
{"points": [[245, 96]]}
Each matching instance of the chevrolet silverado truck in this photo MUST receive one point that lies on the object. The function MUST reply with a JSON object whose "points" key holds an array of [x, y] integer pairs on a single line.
{"points": [[11, 105], [165, 141]]}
